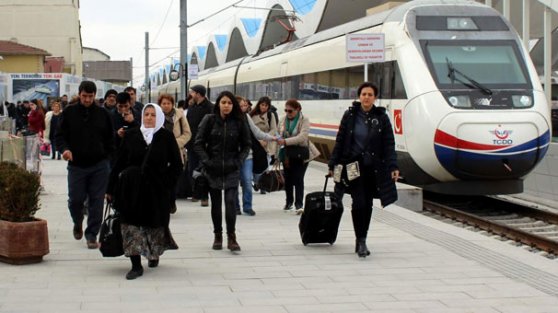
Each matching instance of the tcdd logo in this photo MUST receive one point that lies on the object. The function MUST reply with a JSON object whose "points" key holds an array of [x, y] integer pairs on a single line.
{"points": [[502, 137]]}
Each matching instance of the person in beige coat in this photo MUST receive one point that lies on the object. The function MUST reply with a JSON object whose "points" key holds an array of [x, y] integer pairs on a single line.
{"points": [[51, 123], [293, 129], [175, 122]]}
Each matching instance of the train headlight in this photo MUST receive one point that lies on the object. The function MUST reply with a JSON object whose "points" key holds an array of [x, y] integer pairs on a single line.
{"points": [[461, 23], [460, 101], [522, 101]]}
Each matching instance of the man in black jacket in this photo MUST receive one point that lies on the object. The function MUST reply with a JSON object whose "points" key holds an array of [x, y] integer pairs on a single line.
{"points": [[201, 106], [85, 137]]}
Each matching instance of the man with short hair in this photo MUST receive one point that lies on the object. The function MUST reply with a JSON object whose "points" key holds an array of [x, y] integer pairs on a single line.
{"points": [[64, 101], [85, 137], [138, 106], [201, 106], [124, 117]]}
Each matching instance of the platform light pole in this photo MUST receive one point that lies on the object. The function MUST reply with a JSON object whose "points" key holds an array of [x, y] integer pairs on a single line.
{"points": [[183, 49], [147, 82]]}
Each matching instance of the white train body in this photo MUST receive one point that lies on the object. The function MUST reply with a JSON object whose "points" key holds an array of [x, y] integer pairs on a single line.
{"points": [[467, 107]]}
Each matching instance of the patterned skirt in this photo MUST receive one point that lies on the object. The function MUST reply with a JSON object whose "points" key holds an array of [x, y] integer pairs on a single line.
{"points": [[146, 241]]}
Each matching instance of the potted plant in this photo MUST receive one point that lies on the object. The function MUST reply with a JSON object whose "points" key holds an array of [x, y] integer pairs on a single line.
{"points": [[23, 238]]}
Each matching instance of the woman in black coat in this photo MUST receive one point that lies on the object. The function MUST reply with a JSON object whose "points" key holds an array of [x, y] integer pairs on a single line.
{"points": [[365, 136], [222, 143], [141, 184]]}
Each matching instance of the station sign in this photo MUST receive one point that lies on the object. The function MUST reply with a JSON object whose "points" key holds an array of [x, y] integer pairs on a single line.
{"points": [[192, 71], [365, 48]]}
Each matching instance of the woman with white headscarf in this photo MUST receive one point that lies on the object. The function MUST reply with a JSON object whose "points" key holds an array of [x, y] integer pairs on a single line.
{"points": [[140, 186]]}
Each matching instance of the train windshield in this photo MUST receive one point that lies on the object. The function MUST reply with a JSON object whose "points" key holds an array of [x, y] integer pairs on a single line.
{"points": [[494, 64]]}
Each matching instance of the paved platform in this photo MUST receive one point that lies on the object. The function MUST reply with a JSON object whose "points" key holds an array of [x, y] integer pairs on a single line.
{"points": [[418, 265]]}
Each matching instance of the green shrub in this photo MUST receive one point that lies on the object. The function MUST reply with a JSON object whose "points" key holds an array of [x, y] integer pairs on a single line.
{"points": [[19, 193]]}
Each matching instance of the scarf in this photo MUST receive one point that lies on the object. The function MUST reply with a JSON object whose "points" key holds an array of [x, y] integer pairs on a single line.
{"points": [[169, 120], [290, 126], [289, 131], [159, 121]]}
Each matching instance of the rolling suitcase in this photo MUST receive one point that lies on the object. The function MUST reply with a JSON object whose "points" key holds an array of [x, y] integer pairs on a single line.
{"points": [[322, 213]]}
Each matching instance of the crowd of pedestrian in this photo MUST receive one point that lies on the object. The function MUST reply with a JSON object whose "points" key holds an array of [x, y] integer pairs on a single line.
{"points": [[141, 158]]}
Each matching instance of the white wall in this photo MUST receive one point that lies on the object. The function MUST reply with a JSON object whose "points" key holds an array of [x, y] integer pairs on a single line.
{"points": [[51, 25]]}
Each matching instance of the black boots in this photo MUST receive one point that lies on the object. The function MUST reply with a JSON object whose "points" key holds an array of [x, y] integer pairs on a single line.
{"points": [[137, 269], [231, 242], [218, 241], [361, 249]]}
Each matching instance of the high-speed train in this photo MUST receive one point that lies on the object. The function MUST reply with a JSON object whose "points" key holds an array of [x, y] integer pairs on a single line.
{"points": [[466, 104]]}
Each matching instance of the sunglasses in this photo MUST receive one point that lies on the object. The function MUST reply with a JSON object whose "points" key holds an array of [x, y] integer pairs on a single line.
{"points": [[289, 110]]}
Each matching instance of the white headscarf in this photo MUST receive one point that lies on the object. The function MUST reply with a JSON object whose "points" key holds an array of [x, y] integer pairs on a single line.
{"points": [[159, 121]]}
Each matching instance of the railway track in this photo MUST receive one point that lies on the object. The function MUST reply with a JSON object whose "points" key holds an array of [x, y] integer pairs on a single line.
{"points": [[530, 226]]}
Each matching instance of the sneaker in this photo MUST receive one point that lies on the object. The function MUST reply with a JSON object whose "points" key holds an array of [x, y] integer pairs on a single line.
{"points": [[78, 232], [288, 207], [262, 192], [299, 211], [205, 202], [194, 199], [133, 274], [256, 187], [92, 244], [250, 212]]}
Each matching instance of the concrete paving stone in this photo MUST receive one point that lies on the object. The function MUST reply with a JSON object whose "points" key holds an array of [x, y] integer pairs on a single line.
{"points": [[540, 300], [527, 309], [34, 306], [249, 309], [431, 296], [475, 303], [403, 305], [326, 308], [414, 267], [355, 298], [458, 310], [384, 290], [455, 288], [285, 301]]}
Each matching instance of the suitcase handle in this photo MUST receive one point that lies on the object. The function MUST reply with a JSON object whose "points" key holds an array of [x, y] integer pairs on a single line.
{"points": [[325, 184]]}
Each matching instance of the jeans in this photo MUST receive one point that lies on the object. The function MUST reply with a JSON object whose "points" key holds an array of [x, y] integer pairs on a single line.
{"points": [[88, 182], [294, 179], [246, 184], [230, 211]]}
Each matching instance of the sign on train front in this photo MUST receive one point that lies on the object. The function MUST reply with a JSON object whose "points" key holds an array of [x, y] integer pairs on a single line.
{"points": [[365, 48]]}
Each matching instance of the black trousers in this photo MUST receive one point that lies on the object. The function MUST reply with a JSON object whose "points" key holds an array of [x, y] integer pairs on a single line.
{"points": [[231, 195], [362, 191], [294, 179]]}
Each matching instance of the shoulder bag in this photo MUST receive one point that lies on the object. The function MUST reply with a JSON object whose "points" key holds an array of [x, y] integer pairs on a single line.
{"points": [[110, 236]]}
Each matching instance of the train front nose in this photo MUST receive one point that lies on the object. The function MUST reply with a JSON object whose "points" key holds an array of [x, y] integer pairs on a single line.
{"points": [[482, 148]]}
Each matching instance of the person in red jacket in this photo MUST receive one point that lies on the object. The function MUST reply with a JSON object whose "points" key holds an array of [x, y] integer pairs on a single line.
{"points": [[36, 119]]}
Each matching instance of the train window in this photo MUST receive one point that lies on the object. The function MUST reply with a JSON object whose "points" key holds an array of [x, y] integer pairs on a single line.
{"points": [[482, 23], [496, 64]]}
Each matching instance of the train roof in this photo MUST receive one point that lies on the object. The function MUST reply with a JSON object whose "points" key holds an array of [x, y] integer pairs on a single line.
{"points": [[396, 14]]}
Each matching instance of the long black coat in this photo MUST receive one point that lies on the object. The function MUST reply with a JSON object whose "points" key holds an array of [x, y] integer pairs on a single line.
{"points": [[222, 146], [143, 177], [382, 148]]}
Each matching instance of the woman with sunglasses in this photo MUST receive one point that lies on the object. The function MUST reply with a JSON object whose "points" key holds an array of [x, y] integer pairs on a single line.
{"points": [[293, 129], [365, 148]]}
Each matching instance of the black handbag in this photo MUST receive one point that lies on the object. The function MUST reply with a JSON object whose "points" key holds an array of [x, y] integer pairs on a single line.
{"points": [[272, 180], [297, 152], [110, 236]]}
